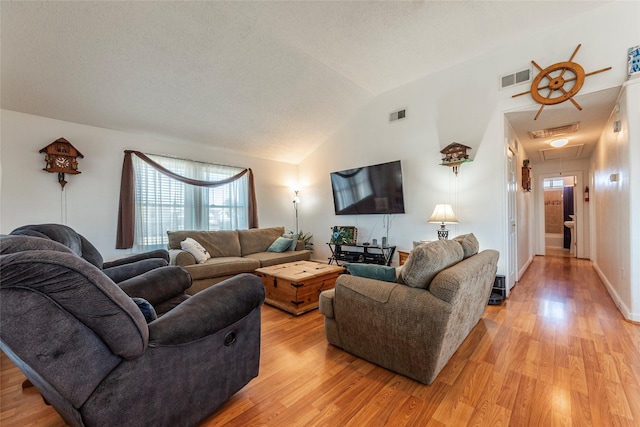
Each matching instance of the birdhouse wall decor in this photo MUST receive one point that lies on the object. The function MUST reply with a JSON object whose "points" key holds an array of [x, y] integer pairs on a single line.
{"points": [[455, 154], [61, 157]]}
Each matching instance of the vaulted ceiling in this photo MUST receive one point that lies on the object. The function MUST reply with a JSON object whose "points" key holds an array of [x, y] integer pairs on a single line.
{"points": [[270, 79]]}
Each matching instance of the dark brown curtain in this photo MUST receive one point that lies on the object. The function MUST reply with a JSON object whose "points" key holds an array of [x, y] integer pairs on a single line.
{"points": [[126, 213]]}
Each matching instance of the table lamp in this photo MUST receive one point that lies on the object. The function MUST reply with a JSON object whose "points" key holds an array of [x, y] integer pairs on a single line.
{"points": [[443, 214]]}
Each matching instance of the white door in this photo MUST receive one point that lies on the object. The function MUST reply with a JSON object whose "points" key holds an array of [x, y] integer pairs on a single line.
{"points": [[512, 232]]}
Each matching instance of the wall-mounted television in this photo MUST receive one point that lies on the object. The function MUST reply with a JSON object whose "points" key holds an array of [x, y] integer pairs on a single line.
{"points": [[375, 189]]}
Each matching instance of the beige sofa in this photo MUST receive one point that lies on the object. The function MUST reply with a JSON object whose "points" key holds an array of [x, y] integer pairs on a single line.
{"points": [[232, 252], [413, 328]]}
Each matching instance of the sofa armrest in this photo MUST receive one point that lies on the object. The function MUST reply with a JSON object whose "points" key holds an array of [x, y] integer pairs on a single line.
{"points": [[123, 272], [325, 305], [158, 253], [159, 285], [181, 258], [209, 311], [363, 305]]}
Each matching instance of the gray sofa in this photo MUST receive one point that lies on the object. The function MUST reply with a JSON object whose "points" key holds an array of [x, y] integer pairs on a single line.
{"points": [[415, 326], [86, 346], [232, 252]]}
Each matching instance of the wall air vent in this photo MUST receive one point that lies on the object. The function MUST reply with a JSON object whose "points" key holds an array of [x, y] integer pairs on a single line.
{"points": [[556, 131], [516, 78], [397, 115]]}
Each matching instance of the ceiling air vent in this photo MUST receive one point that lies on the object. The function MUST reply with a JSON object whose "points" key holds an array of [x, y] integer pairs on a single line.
{"points": [[515, 78], [564, 153], [397, 115], [551, 132]]}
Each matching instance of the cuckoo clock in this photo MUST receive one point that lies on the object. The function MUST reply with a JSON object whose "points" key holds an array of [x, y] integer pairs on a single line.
{"points": [[60, 157], [455, 154]]}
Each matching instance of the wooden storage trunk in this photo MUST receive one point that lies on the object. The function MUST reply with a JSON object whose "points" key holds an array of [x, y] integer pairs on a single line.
{"points": [[295, 287]]}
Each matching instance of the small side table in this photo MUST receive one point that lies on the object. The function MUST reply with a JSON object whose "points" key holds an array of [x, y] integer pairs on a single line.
{"points": [[402, 257]]}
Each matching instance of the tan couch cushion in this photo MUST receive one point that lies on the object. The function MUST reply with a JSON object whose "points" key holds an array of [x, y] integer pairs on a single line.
{"points": [[221, 243], [222, 266], [470, 244], [257, 239], [267, 259], [427, 260]]}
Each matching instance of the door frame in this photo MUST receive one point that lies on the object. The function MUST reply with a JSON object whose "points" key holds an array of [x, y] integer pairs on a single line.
{"points": [[580, 218]]}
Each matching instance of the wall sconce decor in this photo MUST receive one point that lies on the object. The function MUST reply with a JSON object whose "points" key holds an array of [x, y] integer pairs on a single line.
{"points": [[526, 176], [61, 157], [443, 214], [554, 78], [455, 154]]}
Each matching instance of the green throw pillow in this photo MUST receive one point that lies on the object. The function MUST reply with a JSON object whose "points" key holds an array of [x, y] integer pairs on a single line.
{"points": [[281, 244], [372, 271]]}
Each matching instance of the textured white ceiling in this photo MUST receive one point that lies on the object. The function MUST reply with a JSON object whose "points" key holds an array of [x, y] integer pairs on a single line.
{"points": [[268, 79]]}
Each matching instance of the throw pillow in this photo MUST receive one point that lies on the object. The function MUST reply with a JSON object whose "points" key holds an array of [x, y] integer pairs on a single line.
{"points": [[427, 260], [470, 245], [146, 308], [294, 241], [195, 249], [372, 271], [294, 244], [281, 244]]}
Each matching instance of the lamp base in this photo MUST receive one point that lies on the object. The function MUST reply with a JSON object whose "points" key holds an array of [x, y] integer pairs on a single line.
{"points": [[443, 233]]}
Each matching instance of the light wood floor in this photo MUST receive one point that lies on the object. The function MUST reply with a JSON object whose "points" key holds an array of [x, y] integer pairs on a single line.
{"points": [[557, 352]]}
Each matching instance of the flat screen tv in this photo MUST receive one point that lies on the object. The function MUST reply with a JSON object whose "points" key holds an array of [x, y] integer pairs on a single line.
{"points": [[375, 189]]}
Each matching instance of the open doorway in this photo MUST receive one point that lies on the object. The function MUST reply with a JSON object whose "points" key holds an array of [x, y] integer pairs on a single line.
{"points": [[560, 216]]}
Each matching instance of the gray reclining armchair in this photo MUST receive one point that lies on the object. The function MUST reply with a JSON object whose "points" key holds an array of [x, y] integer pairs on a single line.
{"points": [[118, 270], [83, 342]]}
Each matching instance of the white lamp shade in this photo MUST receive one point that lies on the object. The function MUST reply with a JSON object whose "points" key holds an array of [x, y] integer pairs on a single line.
{"points": [[443, 214]]}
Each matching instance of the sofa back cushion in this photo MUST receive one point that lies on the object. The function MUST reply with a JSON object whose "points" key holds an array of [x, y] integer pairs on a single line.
{"points": [[221, 243], [470, 245], [257, 240], [427, 260]]}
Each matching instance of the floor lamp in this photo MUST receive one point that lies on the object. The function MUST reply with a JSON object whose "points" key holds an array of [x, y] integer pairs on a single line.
{"points": [[296, 202]]}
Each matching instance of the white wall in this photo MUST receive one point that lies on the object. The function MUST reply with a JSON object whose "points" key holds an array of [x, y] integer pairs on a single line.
{"points": [[616, 245], [462, 104], [30, 195]]}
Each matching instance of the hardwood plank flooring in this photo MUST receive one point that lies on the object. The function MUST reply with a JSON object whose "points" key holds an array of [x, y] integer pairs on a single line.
{"points": [[557, 352]]}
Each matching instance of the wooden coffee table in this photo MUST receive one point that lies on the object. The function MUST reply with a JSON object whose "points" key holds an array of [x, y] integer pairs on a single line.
{"points": [[295, 286]]}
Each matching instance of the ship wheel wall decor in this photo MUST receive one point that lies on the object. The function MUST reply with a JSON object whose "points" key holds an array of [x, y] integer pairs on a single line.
{"points": [[552, 80]]}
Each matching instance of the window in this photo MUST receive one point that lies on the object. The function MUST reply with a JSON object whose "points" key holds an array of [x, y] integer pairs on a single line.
{"points": [[162, 203], [553, 184]]}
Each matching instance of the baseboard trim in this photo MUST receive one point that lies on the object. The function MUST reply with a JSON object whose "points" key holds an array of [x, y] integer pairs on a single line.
{"points": [[632, 317], [524, 268]]}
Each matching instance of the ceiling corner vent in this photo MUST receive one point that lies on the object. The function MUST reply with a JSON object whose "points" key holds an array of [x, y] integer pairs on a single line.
{"points": [[397, 115], [516, 78]]}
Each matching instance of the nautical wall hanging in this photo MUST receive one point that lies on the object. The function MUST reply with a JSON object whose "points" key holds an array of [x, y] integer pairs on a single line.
{"points": [[554, 78], [61, 157]]}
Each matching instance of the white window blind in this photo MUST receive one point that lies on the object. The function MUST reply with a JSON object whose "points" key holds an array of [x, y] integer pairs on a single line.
{"points": [[163, 204]]}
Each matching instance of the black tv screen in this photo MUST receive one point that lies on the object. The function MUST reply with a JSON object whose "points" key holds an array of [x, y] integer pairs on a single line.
{"points": [[375, 189]]}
